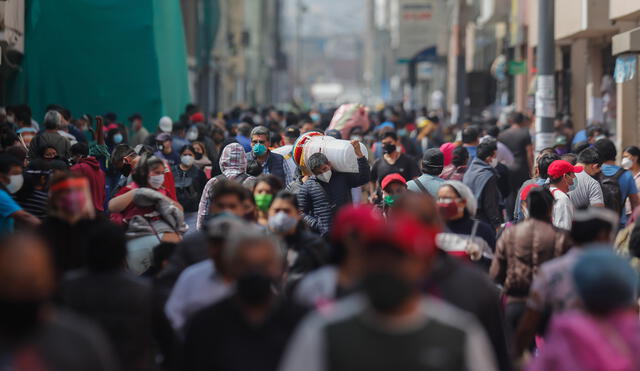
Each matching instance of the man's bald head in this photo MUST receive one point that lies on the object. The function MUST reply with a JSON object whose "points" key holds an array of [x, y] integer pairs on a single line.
{"points": [[26, 269]]}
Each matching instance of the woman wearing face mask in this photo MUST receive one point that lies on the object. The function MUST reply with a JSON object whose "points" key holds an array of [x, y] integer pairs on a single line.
{"points": [[631, 162], [458, 208], [149, 211], [114, 137], [190, 182], [71, 218], [202, 160], [522, 248], [306, 251], [267, 186]]}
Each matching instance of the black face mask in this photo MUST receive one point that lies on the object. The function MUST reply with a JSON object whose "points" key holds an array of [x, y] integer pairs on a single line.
{"points": [[19, 319], [125, 170], [386, 291], [254, 289], [389, 148], [198, 156]]}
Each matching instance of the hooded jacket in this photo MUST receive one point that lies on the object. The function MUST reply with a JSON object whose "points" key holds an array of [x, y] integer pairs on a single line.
{"points": [[90, 168], [233, 163]]}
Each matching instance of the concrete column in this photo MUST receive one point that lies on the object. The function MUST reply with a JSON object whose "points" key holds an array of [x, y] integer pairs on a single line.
{"points": [[627, 123], [594, 79], [579, 56]]}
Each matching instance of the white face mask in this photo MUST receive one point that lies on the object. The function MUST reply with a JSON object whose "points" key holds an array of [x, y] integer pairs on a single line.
{"points": [[192, 135], [282, 223], [494, 162], [324, 177], [187, 160], [15, 183], [156, 181], [626, 163]]}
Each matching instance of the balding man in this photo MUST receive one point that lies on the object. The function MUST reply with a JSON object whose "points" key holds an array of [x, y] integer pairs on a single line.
{"points": [[36, 334]]}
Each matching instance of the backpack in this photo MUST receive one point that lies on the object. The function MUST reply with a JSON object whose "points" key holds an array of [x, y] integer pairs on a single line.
{"points": [[611, 191]]}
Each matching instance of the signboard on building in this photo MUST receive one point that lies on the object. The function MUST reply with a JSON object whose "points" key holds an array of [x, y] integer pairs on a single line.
{"points": [[416, 27]]}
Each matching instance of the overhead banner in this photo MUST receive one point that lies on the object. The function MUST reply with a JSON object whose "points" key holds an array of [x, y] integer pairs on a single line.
{"points": [[416, 27]]}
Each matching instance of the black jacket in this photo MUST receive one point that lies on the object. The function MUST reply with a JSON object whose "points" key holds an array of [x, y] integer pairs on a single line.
{"points": [[189, 186], [319, 201], [310, 253], [121, 304]]}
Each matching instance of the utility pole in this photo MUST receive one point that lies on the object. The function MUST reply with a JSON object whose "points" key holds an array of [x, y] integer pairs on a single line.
{"points": [[545, 91], [297, 90], [369, 55], [457, 70]]}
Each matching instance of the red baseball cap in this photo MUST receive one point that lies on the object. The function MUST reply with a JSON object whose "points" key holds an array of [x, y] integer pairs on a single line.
{"points": [[197, 117], [395, 177], [364, 220], [405, 233], [447, 152], [525, 191], [559, 168]]}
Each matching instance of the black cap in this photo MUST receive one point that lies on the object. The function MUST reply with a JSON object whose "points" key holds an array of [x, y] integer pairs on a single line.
{"points": [[433, 158], [291, 132]]}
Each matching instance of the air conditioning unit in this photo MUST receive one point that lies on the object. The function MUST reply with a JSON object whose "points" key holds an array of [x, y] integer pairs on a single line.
{"points": [[12, 26]]}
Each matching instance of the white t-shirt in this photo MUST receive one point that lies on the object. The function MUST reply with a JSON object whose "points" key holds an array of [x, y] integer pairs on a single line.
{"points": [[562, 209], [588, 191]]}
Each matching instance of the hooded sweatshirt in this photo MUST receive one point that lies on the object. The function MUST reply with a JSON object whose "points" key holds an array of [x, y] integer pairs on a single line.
{"points": [[90, 168], [233, 163]]}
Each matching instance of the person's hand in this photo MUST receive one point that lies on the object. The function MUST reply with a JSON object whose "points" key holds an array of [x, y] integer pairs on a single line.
{"points": [[357, 149], [99, 122]]}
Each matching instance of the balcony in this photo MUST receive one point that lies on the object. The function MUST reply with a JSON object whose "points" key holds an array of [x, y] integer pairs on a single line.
{"points": [[583, 19], [624, 10]]}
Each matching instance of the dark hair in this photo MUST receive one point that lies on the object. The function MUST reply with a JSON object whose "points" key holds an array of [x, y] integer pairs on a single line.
{"points": [[517, 117], [162, 252], [487, 149], [593, 130], [289, 197], [589, 156], [580, 146], [18, 152], [606, 149], [7, 162], [120, 152], [470, 135], [540, 203], [80, 149], [106, 247], [460, 156], [570, 158], [388, 134], [227, 187], [274, 137], [543, 164], [141, 172], [187, 147], [273, 181], [584, 232], [493, 131], [633, 151]]}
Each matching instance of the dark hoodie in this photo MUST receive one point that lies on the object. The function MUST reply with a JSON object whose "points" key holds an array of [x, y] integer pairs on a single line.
{"points": [[90, 168]]}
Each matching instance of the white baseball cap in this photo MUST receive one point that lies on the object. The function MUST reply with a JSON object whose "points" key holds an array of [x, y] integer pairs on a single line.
{"points": [[165, 124]]}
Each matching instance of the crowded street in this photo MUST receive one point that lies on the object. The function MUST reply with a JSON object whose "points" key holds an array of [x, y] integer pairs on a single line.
{"points": [[306, 185]]}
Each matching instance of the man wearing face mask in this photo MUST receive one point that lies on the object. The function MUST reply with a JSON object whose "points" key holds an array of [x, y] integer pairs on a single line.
{"points": [[272, 163], [11, 181], [254, 319], [327, 191], [482, 179], [393, 161], [391, 325], [166, 150], [562, 178], [34, 333]]}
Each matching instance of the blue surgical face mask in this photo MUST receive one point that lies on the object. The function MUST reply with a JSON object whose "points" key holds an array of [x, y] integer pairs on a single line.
{"points": [[117, 139], [259, 149], [315, 117]]}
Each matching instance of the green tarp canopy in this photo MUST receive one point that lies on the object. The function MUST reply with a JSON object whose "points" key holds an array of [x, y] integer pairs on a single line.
{"points": [[98, 56]]}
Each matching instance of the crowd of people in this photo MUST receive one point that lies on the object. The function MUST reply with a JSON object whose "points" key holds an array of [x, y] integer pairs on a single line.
{"points": [[204, 245]]}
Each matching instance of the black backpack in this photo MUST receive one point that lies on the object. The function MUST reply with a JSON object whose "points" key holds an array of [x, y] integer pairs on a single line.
{"points": [[611, 191]]}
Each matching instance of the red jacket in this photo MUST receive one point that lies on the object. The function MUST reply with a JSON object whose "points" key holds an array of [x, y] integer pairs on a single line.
{"points": [[90, 168]]}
